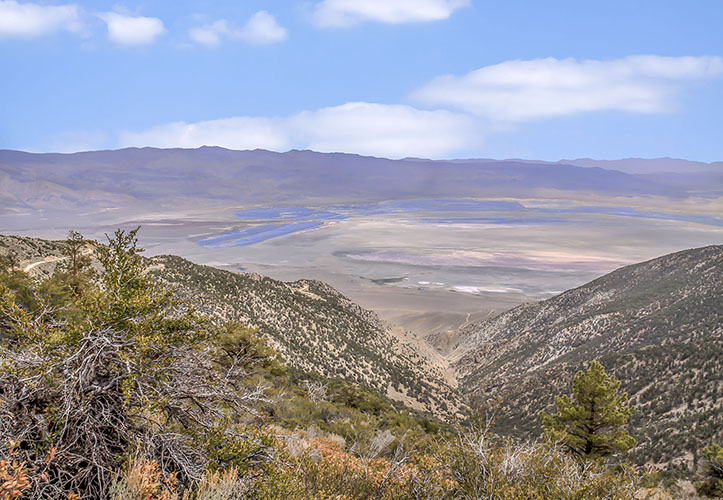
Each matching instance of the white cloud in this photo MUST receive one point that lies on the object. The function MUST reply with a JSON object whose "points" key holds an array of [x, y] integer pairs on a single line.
{"points": [[262, 28], [526, 90], [28, 20], [131, 30], [392, 131], [232, 133], [341, 13]]}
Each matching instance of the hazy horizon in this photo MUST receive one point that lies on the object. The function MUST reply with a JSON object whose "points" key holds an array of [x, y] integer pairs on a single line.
{"points": [[564, 159]]}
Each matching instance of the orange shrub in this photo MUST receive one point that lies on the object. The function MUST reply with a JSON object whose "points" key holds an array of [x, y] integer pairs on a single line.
{"points": [[14, 480]]}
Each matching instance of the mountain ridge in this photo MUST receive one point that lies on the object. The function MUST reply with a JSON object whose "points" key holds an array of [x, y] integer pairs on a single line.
{"points": [[310, 323], [571, 161], [656, 325], [111, 188]]}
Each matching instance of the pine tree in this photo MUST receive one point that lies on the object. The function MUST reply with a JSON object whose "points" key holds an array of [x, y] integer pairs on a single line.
{"points": [[591, 423], [712, 487], [9, 262], [77, 263]]}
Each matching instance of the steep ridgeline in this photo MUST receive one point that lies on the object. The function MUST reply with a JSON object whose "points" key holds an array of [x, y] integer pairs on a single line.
{"points": [[315, 327], [319, 330], [658, 326]]}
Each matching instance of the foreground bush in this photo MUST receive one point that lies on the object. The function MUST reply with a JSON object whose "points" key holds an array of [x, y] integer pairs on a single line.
{"points": [[121, 368], [471, 466], [483, 468]]}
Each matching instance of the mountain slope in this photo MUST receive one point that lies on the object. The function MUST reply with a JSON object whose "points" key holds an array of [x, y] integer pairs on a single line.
{"points": [[152, 174], [657, 325], [319, 330], [316, 328]]}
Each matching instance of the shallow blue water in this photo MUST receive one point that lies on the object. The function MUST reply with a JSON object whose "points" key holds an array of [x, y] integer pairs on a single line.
{"points": [[285, 220], [288, 213], [631, 212], [405, 206], [493, 220], [342, 212], [256, 234]]}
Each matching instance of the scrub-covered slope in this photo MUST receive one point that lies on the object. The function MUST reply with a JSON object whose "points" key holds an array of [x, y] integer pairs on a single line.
{"points": [[657, 325]]}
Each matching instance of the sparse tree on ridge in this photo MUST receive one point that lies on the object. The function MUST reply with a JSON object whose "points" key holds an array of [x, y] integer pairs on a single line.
{"points": [[712, 486], [9, 262], [77, 263], [591, 424]]}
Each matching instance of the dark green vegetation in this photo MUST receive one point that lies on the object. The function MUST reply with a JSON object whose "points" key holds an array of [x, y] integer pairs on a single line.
{"points": [[712, 485], [592, 423], [312, 325], [90, 367], [96, 367], [387, 281], [656, 326]]}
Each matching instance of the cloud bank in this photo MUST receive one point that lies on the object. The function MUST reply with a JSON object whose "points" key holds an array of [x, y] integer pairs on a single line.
{"points": [[343, 13], [30, 20], [489, 98], [132, 30], [392, 131], [540, 88]]}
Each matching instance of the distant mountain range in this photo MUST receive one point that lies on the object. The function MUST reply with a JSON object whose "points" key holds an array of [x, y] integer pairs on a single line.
{"points": [[651, 165], [656, 325], [108, 186]]}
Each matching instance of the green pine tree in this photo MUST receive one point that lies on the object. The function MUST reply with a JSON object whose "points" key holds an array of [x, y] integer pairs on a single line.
{"points": [[75, 270], [9, 263], [591, 423], [712, 487]]}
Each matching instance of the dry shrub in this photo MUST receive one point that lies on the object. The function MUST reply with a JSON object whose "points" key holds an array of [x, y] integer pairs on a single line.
{"points": [[325, 470], [14, 480], [225, 485], [484, 467], [143, 480]]}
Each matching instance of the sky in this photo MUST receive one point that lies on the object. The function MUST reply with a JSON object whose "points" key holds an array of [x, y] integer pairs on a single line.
{"points": [[394, 78]]}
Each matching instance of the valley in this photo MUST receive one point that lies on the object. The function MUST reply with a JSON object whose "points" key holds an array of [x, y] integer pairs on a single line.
{"points": [[655, 324]]}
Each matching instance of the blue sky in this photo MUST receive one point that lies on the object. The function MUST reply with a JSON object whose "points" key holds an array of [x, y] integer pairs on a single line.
{"points": [[429, 78]]}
